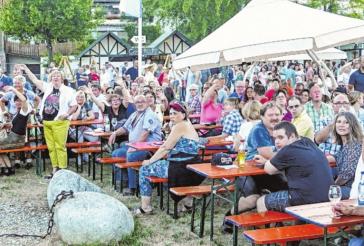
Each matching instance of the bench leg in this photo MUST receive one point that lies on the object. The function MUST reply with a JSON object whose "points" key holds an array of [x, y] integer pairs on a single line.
{"points": [[167, 198], [89, 167], [93, 166], [77, 163], [43, 160], [175, 210], [161, 196], [121, 181], [101, 171], [193, 214], [202, 218]]}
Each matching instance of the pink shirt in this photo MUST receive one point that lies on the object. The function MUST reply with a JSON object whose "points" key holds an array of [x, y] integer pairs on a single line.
{"points": [[210, 112]]}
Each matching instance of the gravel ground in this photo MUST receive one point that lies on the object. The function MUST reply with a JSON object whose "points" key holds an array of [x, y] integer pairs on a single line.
{"points": [[23, 209]]}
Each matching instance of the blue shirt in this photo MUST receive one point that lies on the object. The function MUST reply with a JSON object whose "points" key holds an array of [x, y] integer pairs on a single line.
{"points": [[146, 121], [258, 137], [5, 81], [9, 97], [357, 80], [133, 72]]}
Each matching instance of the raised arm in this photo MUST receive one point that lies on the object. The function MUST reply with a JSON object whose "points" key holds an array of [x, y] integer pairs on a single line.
{"points": [[94, 99], [210, 92], [37, 82], [22, 98]]}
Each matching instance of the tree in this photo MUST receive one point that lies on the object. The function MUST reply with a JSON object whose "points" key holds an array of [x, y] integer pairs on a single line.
{"points": [[152, 32], [352, 8], [194, 18], [49, 20]]}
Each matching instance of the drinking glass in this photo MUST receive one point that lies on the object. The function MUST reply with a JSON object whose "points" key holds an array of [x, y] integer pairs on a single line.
{"points": [[334, 197], [114, 123]]}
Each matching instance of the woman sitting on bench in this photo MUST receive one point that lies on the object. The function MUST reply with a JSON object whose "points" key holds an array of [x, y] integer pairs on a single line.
{"points": [[181, 148], [16, 136]]}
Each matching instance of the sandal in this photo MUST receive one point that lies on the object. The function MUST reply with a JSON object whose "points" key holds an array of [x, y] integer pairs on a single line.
{"points": [[140, 211]]}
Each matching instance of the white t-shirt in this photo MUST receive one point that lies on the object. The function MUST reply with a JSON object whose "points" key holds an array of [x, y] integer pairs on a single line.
{"points": [[245, 129], [354, 186]]}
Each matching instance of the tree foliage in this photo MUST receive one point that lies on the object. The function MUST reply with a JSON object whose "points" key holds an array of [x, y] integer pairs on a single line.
{"points": [[195, 18], [151, 31], [49, 20], [352, 8]]}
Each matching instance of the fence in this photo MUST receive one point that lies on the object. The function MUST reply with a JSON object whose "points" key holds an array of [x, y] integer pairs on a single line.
{"points": [[37, 50]]}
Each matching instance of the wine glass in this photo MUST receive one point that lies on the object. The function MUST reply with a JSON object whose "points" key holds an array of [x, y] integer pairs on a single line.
{"points": [[334, 197], [114, 123]]}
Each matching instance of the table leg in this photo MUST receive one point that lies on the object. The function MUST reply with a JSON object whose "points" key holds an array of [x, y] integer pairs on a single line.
{"points": [[236, 199], [212, 210], [325, 236]]}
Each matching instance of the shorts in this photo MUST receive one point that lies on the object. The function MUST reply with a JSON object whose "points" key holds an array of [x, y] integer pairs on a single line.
{"points": [[277, 201]]}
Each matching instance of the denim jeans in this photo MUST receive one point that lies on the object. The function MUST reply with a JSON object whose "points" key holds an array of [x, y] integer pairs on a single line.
{"points": [[356, 242], [130, 157]]}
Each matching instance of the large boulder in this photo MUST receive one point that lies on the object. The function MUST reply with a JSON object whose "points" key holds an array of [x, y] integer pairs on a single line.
{"points": [[67, 180], [92, 218]]}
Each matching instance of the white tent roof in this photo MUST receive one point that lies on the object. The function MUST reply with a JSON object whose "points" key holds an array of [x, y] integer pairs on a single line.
{"points": [[270, 28], [327, 54]]}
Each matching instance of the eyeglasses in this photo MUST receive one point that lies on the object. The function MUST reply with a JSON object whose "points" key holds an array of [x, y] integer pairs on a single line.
{"points": [[294, 106], [341, 103], [139, 102]]}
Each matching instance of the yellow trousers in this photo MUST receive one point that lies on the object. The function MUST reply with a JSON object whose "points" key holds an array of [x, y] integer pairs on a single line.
{"points": [[55, 133]]}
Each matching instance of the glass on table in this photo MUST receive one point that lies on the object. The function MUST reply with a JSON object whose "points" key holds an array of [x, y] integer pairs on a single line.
{"points": [[334, 197]]}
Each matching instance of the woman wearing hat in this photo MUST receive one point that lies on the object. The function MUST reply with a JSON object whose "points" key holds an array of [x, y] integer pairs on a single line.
{"points": [[181, 148]]}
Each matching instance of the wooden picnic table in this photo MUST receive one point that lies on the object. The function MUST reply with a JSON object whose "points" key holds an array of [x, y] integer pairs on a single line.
{"points": [[320, 214], [206, 127], [229, 177], [75, 123], [153, 146]]}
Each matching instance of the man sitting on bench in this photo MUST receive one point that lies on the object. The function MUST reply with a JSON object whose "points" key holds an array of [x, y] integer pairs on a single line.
{"points": [[305, 166]]}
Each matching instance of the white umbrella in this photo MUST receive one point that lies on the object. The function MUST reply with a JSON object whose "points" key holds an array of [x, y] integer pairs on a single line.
{"points": [[271, 28], [327, 54]]}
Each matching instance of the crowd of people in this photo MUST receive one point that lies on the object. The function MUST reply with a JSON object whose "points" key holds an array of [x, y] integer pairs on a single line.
{"points": [[292, 117]]}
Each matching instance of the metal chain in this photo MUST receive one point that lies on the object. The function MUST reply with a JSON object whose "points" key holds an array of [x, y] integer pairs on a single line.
{"points": [[60, 197]]}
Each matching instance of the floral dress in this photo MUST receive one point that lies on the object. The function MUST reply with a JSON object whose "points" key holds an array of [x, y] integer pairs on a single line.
{"points": [[174, 167]]}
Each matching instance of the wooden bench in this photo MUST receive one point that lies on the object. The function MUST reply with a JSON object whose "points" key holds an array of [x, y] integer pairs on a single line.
{"points": [[258, 219], [197, 192], [159, 182], [109, 161], [89, 150], [282, 235]]}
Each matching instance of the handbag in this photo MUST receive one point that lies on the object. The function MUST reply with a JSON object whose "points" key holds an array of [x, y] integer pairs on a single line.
{"points": [[221, 159]]}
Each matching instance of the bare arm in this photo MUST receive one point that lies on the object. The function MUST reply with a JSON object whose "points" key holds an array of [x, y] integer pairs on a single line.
{"points": [[322, 135], [270, 169], [174, 136], [266, 152], [37, 82], [209, 93], [94, 99], [22, 98]]}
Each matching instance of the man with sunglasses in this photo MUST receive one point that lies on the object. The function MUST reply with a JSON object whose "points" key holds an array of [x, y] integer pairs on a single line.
{"points": [[301, 120]]}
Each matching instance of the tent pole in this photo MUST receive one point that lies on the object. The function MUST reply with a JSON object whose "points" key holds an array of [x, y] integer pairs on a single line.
{"points": [[322, 65]]}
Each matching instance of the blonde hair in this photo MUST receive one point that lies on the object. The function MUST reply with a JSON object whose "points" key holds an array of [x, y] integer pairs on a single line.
{"points": [[354, 97], [251, 110], [20, 78], [55, 71]]}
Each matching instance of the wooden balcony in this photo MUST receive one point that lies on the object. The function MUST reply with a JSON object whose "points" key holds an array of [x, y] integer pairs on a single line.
{"points": [[37, 50]]}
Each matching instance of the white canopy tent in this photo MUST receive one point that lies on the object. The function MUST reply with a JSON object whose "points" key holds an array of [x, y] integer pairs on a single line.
{"points": [[327, 54], [266, 29]]}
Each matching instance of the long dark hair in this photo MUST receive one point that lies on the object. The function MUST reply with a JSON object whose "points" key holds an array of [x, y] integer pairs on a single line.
{"points": [[355, 129]]}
